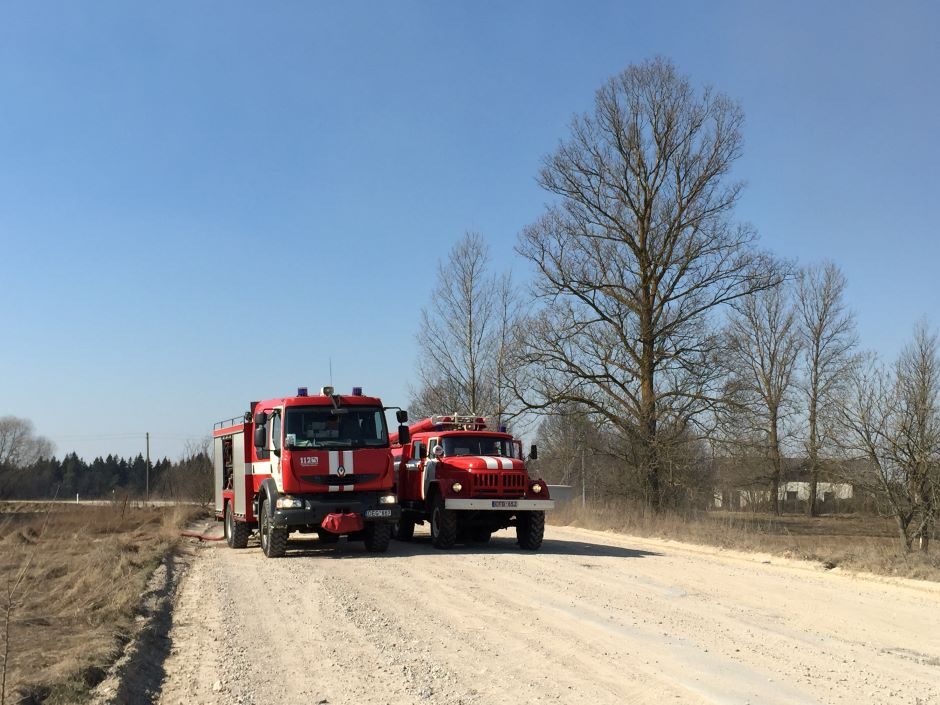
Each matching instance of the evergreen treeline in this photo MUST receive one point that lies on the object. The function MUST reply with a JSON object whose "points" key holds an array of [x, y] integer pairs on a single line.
{"points": [[105, 478]]}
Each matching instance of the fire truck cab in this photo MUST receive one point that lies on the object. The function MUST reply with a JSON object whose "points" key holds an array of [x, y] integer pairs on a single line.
{"points": [[315, 464], [467, 481]]}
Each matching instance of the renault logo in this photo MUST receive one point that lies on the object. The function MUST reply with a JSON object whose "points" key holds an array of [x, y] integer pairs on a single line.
{"points": [[341, 471]]}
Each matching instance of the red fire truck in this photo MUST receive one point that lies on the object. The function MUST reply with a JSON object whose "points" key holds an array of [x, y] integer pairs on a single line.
{"points": [[316, 463], [467, 481]]}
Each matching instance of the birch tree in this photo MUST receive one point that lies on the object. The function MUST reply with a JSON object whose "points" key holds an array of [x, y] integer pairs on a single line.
{"points": [[829, 341]]}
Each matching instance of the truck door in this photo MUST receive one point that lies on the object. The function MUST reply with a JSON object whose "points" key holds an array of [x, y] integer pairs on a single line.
{"points": [[276, 445], [412, 482]]}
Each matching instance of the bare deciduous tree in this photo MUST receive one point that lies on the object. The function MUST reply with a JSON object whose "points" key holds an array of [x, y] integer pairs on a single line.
{"points": [[465, 332], [892, 420], [635, 257], [763, 349], [19, 445], [829, 341]]}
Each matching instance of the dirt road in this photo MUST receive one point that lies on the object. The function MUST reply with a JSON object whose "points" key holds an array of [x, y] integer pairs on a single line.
{"points": [[593, 618]]}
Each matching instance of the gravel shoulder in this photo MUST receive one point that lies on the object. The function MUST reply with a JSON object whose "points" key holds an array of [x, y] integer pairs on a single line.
{"points": [[593, 618]]}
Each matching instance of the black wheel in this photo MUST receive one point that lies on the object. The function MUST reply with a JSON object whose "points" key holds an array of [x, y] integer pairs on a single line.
{"points": [[443, 524], [327, 536], [530, 529], [480, 535], [403, 529], [273, 540], [377, 537], [236, 532]]}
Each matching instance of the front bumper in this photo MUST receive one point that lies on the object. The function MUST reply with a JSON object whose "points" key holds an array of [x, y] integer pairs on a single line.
{"points": [[500, 505], [316, 508]]}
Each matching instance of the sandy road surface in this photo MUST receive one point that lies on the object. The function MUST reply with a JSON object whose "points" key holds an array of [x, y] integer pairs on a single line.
{"points": [[593, 618]]}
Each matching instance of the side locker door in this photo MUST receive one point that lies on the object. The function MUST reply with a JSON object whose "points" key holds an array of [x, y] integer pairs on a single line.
{"points": [[238, 472], [218, 471]]}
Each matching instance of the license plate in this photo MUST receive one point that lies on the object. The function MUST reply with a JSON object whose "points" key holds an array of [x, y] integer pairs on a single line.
{"points": [[505, 504], [374, 513]]}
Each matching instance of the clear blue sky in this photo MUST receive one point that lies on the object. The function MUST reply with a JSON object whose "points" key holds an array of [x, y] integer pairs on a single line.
{"points": [[202, 203]]}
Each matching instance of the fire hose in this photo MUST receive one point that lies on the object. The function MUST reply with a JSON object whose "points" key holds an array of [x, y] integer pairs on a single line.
{"points": [[201, 537]]}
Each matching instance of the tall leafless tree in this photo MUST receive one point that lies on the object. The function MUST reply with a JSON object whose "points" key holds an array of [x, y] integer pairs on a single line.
{"points": [[635, 257], [763, 350], [829, 338], [465, 332]]}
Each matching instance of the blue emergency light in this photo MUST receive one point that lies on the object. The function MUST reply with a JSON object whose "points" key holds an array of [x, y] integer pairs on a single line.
{"points": [[357, 391], [301, 391]]}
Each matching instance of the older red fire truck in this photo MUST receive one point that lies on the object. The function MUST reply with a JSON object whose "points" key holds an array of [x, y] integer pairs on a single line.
{"points": [[316, 463], [467, 481]]}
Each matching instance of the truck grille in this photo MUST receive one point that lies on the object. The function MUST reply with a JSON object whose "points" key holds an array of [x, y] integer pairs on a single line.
{"points": [[499, 484], [337, 480]]}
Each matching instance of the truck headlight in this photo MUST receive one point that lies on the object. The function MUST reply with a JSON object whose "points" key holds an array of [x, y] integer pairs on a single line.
{"points": [[536, 488], [388, 499], [288, 502], [456, 487]]}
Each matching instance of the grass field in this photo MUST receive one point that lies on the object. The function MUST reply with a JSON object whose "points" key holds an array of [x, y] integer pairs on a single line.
{"points": [[859, 543], [70, 582]]}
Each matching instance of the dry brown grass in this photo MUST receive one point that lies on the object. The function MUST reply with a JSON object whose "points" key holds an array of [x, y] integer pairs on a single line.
{"points": [[73, 611], [857, 543]]}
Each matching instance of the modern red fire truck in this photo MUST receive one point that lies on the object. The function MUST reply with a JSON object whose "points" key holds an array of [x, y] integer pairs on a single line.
{"points": [[467, 481], [316, 463]]}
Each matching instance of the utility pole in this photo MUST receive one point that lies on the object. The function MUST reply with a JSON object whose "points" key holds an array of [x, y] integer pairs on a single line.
{"points": [[147, 469]]}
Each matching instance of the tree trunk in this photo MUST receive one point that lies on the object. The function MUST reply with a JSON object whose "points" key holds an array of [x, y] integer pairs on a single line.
{"points": [[813, 452], [648, 418], [776, 463]]}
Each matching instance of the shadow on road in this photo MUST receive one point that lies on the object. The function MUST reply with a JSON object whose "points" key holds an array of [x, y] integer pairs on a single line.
{"points": [[421, 545]]}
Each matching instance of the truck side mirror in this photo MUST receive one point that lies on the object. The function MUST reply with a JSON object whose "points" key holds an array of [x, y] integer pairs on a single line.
{"points": [[402, 416], [260, 436], [534, 452], [261, 418], [404, 435], [438, 451]]}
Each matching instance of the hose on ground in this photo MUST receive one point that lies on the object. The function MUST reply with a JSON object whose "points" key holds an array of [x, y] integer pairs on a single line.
{"points": [[201, 537]]}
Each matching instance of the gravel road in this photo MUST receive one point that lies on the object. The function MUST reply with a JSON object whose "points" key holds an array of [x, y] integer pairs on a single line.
{"points": [[593, 618]]}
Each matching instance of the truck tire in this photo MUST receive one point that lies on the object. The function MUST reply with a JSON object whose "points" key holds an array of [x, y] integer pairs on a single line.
{"points": [[236, 532], [404, 529], [530, 529], [443, 524], [377, 537], [273, 540]]}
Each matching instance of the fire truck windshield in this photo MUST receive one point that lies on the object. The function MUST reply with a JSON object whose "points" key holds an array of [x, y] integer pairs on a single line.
{"points": [[319, 427], [477, 445]]}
